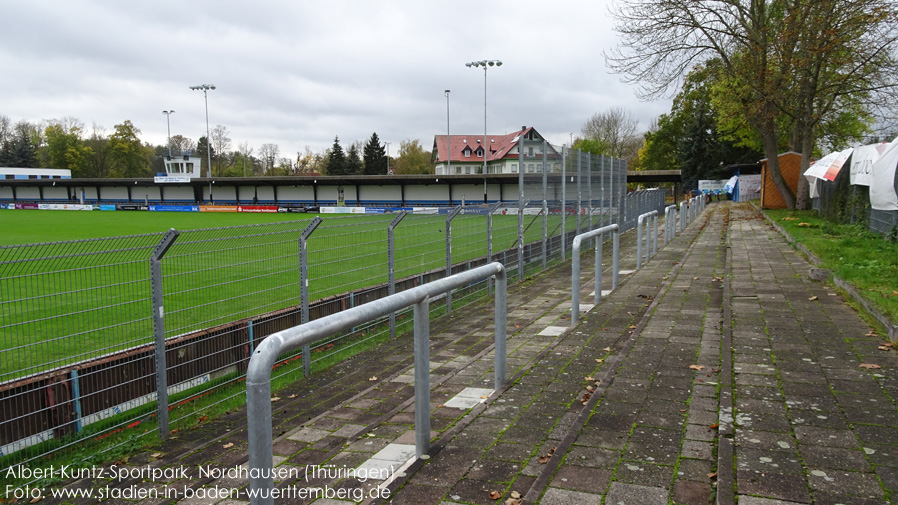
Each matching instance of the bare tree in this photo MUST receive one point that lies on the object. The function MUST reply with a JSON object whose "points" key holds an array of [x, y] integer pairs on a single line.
{"points": [[246, 153], [614, 130], [269, 154], [221, 144], [181, 144], [780, 58]]}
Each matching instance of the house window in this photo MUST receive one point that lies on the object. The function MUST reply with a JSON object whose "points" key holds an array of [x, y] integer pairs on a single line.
{"points": [[467, 170], [467, 153], [458, 170], [531, 168], [529, 151], [514, 168]]}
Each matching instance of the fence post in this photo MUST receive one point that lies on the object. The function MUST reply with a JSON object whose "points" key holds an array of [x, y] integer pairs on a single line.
{"points": [[391, 254], [545, 205], [579, 189], [563, 201], [159, 329], [422, 376], [589, 186], [304, 288], [449, 218]]}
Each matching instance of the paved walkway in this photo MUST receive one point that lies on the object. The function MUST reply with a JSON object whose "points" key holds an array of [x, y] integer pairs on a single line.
{"points": [[637, 404]]}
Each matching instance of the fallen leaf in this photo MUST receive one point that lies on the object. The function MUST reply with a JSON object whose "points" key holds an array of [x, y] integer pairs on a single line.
{"points": [[371, 435], [632, 327], [894, 293], [884, 348], [228, 445], [372, 379], [695, 278], [513, 501], [275, 399], [585, 398], [495, 495], [292, 396], [871, 333], [600, 360], [156, 455], [790, 219], [515, 495], [36, 499], [484, 397], [714, 426], [812, 298], [203, 418], [804, 225], [589, 379], [607, 349], [712, 475], [697, 367], [869, 366], [545, 459], [590, 389]]}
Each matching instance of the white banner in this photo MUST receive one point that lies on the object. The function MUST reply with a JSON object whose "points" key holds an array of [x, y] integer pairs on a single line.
{"points": [[829, 166], [712, 187], [862, 163], [749, 184], [882, 187], [64, 206]]}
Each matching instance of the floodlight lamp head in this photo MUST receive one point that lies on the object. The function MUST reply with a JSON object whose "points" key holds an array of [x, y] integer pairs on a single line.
{"points": [[469, 65], [498, 63], [491, 63]]}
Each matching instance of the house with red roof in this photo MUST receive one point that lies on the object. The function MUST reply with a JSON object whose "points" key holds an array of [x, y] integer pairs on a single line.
{"points": [[463, 154]]}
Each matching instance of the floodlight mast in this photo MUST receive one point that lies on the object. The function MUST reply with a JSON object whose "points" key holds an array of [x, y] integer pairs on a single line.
{"points": [[168, 114], [484, 64], [205, 88]]}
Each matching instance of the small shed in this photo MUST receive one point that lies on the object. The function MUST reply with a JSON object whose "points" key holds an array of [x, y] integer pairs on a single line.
{"points": [[790, 166]]}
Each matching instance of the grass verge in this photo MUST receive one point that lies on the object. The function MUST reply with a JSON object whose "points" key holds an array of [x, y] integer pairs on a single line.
{"points": [[858, 256]]}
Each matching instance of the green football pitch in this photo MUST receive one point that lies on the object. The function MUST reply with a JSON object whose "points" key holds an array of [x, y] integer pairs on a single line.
{"points": [[65, 304]]}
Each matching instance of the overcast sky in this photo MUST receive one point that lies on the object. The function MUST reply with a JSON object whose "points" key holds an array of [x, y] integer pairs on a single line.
{"points": [[296, 72]]}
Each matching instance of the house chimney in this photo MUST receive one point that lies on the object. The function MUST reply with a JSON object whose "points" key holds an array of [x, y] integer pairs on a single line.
{"points": [[523, 128]]}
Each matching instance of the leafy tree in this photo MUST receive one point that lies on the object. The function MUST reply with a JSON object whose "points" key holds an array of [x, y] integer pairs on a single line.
{"points": [[19, 152], [336, 163], [375, 157], [591, 145], [98, 142], [354, 160], [802, 58], [182, 145], [202, 146], [67, 150], [413, 159], [128, 156]]}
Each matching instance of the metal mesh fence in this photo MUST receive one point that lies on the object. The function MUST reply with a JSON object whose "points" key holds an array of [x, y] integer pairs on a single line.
{"points": [[87, 325], [841, 202], [67, 309]]}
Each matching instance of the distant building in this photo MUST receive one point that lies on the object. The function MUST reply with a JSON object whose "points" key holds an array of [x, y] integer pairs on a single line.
{"points": [[182, 166], [466, 155], [34, 173]]}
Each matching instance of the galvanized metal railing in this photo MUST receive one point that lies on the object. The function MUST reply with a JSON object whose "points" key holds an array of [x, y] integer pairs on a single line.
{"points": [[670, 223], [258, 375], [598, 234], [651, 246]]}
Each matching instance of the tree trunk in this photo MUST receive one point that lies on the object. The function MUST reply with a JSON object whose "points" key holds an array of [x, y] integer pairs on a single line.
{"points": [[771, 149], [803, 201]]}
